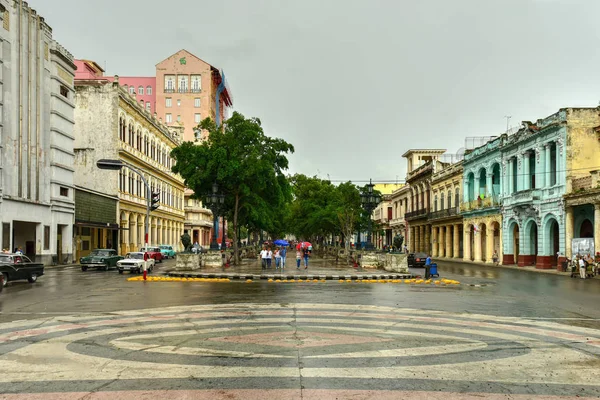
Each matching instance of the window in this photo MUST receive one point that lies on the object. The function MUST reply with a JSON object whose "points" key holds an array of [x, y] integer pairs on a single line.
{"points": [[456, 198], [434, 203], [148, 89], [442, 201], [46, 237], [197, 102], [182, 81], [64, 92], [131, 90], [148, 106], [85, 245], [449, 199], [64, 191], [178, 102], [169, 83], [179, 118], [141, 90], [169, 118], [196, 84], [6, 233], [197, 118], [168, 102]]}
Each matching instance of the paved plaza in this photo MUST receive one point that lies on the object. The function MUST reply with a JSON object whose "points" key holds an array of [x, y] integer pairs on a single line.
{"points": [[499, 334]]}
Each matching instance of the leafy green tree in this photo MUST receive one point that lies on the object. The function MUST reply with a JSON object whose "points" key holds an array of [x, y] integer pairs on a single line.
{"points": [[247, 165]]}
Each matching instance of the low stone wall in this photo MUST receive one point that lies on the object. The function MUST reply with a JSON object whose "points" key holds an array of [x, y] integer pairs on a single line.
{"points": [[187, 262], [212, 259], [371, 259], [396, 263]]}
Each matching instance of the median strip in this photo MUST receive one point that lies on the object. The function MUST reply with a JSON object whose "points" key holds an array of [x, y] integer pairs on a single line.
{"points": [[414, 281]]}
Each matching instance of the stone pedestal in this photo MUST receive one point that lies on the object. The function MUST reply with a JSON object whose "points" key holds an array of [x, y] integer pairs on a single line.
{"points": [[396, 263], [212, 259], [371, 260], [187, 262]]}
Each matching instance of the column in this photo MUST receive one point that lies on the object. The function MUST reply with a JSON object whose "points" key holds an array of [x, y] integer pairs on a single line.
{"points": [[125, 235], [436, 239], [540, 172], [449, 241], [510, 172], [596, 226], [440, 243], [548, 164], [520, 172], [421, 238], [132, 232], [489, 243], [456, 242], [140, 236], [477, 250], [559, 168], [466, 243], [569, 230], [526, 172], [476, 187], [152, 237], [427, 239], [465, 191]]}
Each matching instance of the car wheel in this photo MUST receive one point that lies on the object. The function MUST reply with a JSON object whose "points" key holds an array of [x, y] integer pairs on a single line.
{"points": [[32, 278], [4, 279], [120, 271], [83, 268], [105, 267]]}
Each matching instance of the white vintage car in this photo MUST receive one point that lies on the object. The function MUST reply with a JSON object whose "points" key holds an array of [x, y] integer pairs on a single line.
{"points": [[134, 262]]}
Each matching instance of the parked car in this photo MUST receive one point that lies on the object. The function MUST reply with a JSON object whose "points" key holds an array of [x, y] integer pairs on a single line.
{"points": [[14, 267], [416, 260], [167, 251], [153, 252], [134, 262], [101, 259]]}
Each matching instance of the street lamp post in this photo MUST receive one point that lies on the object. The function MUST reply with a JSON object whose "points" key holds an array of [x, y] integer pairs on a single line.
{"points": [[117, 165], [369, 201], [214, 202]]}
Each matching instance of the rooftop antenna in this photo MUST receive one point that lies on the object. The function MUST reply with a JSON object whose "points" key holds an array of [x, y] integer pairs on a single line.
{"points": [[508, 117]]}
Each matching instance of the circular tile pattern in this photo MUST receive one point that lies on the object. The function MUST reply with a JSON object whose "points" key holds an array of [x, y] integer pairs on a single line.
{"points": [[316, 343]]}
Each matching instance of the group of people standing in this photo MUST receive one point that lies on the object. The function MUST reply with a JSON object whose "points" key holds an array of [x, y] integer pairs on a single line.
{"points": [[280, 254]]}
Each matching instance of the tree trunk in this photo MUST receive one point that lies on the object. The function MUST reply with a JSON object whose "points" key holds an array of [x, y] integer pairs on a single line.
{"points": [[236, 255]]}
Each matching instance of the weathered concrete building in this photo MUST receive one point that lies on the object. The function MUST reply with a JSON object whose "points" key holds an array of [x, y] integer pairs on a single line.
{"points": [[445, 216], [36, 137], [482, 218], [399, 200], [111, 124]]}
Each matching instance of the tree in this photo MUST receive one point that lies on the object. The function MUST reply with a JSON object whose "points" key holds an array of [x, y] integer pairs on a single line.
{"points": [[348, 209], [247, 165]]}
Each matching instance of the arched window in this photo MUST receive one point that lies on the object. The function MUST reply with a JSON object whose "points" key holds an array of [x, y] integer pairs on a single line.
{"points": [[449, 199], [435, 198], [442, 201], [148, 89], [456, 197], [141, 90], [122, 128]]}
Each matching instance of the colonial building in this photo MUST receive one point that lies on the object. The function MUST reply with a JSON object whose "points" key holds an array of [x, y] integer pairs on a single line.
{"points": [[482, 218], [112, 124], [382, 233], [445, 217], [421, 166], [198, 221], [36, 137], [399, 199]]}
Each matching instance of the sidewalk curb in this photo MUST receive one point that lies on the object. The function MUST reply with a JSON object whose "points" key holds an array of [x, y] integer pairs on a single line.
{"points": [[236, 276], [513, 267]]}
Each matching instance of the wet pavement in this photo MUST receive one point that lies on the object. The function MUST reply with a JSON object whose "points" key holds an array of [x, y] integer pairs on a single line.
{"points": [[500, 332]]}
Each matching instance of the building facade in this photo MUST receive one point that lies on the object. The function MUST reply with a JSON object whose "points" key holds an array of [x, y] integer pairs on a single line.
{"points": [[198, 221], [112, 124], [36, 137], [421, 165], [445, 217], [482, 197], [399, 200]]}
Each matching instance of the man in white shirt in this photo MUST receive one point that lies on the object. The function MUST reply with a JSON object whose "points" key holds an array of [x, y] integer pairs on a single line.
{"points": [[582, 267], [264, 254], [269, 258]]}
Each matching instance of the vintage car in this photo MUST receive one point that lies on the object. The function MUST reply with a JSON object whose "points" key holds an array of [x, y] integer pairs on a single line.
{"points": [[153, 252], [101, 259], [167, 251], [14, 267], [134, 262], [416, 260]]}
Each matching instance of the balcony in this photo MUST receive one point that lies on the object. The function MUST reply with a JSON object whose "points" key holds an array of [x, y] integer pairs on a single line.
{"points": [[480, 204], [523, 197], [447, 213], [416, 214], [423, 169], [169, 90]]}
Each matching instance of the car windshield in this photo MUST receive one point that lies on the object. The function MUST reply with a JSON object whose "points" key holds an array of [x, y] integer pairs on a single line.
{"points": [[137, 256], [100, 253], [164, 247], [5, 259], [420, 255]]}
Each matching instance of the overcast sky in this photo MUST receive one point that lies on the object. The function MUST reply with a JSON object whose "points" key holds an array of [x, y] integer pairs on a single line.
{"points": [[353, 84]]}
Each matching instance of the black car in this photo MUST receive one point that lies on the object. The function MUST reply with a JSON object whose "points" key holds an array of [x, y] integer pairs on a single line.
{"points": [[14, 267], [416, 260]]}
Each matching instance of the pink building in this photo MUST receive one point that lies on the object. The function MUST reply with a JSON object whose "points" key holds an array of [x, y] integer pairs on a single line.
{"points": [[144, 88]]}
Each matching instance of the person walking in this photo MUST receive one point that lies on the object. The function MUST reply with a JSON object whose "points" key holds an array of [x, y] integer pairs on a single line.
{"points": [[263, 257], [283, 254], [581, 267], [306, 254], [277, 258], [269, 258], [495, 257], [298, 258]]}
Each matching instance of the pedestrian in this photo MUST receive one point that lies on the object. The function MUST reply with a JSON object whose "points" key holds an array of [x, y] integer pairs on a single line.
{"points": [[19, 251], [298, 258], [405, 249], [263, 257], [581, 267], [269, 258], [495, 257], [277, 258], [306, 254], [283, 253]]}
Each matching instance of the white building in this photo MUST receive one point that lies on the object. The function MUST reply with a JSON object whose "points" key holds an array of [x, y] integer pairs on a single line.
{"points": [[36, 137]]}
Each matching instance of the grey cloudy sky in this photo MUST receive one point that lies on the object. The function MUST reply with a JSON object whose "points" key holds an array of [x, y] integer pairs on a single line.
{"points": [[353, 84]]}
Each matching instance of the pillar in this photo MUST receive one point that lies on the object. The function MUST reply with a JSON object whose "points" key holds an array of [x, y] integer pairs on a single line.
{"points": [[520, 172], [526, 172], [466, 243], [421, 238], [569, 230], [140, 228], [449, 241], [477, 245], [596, 226], [456, 242], [152, 237], [125, 235], [411, 239], [511, 182], [476, 187], [436, 239], [548, 165], [558, 165], [489, 243]]}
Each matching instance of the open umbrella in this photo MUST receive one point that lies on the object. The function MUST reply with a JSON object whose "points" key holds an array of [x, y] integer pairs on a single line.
{"points": [[280, 242]]}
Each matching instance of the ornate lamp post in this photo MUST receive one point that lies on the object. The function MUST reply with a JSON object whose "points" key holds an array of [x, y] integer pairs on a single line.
{"points": [[214, 202], [369, 201]]}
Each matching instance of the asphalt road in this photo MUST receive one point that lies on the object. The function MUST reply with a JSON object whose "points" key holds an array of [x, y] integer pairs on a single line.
{"points": [[500, 332]]}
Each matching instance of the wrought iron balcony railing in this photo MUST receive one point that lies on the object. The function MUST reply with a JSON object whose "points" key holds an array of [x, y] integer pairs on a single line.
{"points": [[480, 204], [416, 214], [449, 212]]}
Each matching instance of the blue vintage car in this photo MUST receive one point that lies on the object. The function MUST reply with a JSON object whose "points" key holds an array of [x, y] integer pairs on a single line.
{"points": [[167, 251]]}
